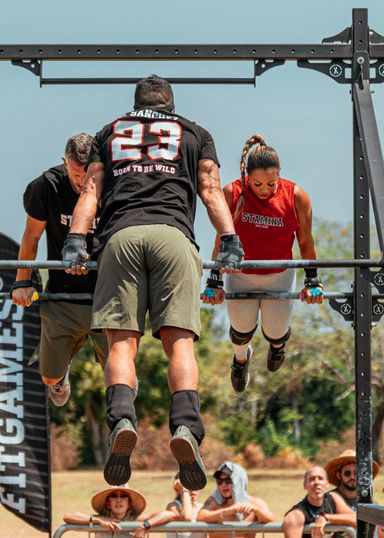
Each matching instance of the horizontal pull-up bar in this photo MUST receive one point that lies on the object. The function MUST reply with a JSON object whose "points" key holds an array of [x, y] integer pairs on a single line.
{"points": [[277, 295], [250, 264], [186, 80]]}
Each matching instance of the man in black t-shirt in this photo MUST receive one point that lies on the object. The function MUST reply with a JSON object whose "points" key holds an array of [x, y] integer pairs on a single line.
{"points": [[317, 507], [49, 201], [146, 169]]}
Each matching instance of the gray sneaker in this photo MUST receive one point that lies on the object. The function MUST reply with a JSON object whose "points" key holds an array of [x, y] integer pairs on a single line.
{"points": [[60, 393], [117, 469], [239, 372], [184, 448]]}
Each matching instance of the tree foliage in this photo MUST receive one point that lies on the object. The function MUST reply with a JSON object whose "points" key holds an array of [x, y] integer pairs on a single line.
{"points": [[310, 399]]}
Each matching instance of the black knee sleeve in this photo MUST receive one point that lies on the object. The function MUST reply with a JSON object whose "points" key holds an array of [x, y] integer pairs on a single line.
{"points": [[120, 405], [185, 411], [278, 341], [240, 339]]}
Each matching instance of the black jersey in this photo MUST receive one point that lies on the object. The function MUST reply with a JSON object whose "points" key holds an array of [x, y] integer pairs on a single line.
{"points": [[151, 162], [51, 198]]}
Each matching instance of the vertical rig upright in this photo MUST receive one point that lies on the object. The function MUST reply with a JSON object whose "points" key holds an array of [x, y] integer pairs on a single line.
{"points": [[362, 288]]}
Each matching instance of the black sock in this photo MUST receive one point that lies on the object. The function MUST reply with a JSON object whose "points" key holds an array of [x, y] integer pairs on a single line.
{"points": [[185, 411], [120, 405]]}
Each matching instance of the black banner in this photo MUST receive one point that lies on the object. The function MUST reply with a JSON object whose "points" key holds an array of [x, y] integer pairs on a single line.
{"points": [[25, 484]]}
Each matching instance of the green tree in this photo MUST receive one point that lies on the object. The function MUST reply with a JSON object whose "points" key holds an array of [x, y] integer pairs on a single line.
{"points": [[309, 399]]}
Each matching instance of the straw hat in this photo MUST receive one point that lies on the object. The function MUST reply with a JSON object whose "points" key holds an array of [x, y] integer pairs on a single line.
{"points": [[345, 458], [138, 502]]}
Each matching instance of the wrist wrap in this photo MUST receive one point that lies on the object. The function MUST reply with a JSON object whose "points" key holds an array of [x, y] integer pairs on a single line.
{"points": [[231, 250], [312, 282], [214, 280], [310, 272], [20, 284]]}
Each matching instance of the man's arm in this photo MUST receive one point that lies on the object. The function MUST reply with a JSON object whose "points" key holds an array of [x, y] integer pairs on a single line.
{"points": [[212, 196], [28, 251], [293, 524], [86, 207], [228, 192], [344, 514], [75, 247]]}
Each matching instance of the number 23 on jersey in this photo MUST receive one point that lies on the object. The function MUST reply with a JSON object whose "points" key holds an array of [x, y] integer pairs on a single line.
{"points": [[129, 137]]}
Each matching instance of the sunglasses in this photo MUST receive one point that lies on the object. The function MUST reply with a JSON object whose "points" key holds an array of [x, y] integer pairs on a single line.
{"points": [[220, 481], [348, 473], [118, 496]]}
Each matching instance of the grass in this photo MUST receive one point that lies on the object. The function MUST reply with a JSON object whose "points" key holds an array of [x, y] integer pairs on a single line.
{"points": [[72, 491]]}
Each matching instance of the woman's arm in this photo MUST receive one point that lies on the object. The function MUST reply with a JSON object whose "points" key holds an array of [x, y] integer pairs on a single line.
{"points": [[155, 519], [228, 193], [78, 518], [186, 511], [312, 291], [304, 236]]}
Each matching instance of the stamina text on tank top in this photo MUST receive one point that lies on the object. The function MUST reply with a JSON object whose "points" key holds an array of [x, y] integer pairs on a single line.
{"points": [[266, 227]]}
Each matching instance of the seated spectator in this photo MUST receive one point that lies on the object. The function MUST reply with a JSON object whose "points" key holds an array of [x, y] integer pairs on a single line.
{"points": [[115, 505], [341, 472], [317, 507], [231, 501], [184, 508]]}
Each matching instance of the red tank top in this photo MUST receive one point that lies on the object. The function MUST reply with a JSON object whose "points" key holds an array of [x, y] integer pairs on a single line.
{"points": [[266, 227]]}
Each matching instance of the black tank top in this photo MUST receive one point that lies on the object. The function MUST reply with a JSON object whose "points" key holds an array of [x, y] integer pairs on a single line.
{"points": [[310, 512]]}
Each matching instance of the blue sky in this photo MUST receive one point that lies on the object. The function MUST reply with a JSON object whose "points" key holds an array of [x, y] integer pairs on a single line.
{"points": [[305, 115]]}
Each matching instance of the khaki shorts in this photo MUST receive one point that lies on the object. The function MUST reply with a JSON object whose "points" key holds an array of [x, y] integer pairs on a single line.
{"points": [[65, 328], [155, 268]]}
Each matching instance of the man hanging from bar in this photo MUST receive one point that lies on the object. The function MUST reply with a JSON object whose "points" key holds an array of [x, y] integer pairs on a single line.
{"points": [[268, 212], [49, 201], [146, 168]]}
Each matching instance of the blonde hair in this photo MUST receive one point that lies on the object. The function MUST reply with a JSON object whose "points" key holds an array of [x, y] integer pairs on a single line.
{"points": [[262, 156]]}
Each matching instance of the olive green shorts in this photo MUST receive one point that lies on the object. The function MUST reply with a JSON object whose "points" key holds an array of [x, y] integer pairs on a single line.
{"points": [[153, 267], [65, 328]]}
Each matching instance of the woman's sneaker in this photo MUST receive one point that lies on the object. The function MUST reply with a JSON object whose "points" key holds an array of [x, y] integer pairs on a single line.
{"points": [[60, 393], [239, 372]]}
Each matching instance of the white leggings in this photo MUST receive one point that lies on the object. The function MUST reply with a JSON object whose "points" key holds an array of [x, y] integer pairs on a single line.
{"points": [[275, 315]]}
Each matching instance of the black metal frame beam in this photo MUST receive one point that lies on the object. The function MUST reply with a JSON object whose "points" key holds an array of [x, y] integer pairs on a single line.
{"points": [[363, 176], [372, 154], [328, 57], [237, 51], [356, 50]]}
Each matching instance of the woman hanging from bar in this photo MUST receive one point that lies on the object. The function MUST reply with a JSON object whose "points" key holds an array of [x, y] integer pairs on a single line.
{"points": [[268, 212]]}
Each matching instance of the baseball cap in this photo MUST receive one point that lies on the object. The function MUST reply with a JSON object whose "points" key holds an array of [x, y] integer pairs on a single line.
{"points": [[222, 469]]}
